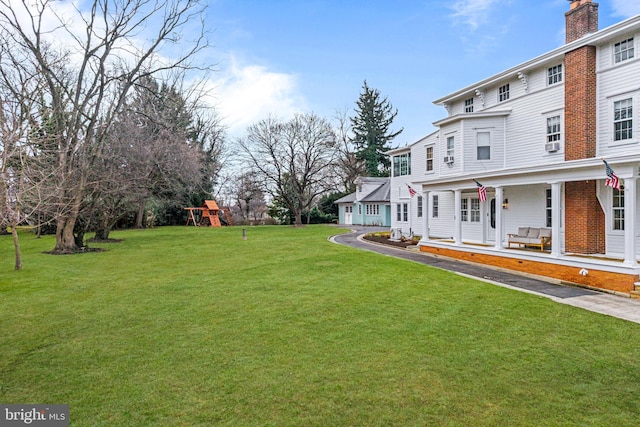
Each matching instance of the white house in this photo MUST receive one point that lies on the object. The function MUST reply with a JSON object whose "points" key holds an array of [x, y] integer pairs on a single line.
{"points": [[535, 137], [368, 205]]}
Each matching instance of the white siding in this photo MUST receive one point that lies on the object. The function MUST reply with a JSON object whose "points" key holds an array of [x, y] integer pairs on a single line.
{"points": [[617, 82], [454, 130], [495, 127], [527, 206], [443, 226]]}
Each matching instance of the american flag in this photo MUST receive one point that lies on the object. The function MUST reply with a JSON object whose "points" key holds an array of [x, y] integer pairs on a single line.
{"points": [[482, 191], [412, 192], [612, 179]]}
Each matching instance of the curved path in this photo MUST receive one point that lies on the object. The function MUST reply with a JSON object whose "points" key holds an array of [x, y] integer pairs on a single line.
{"points": [[612, 305]]}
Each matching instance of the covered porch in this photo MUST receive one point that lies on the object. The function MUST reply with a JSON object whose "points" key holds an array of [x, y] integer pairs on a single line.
{"points": [[542, 198]]}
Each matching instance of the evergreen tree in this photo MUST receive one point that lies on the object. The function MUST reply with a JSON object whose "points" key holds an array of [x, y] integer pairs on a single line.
{"points": [[371, 134]]}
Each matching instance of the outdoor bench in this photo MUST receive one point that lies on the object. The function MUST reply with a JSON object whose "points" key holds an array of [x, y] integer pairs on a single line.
{"points": [[531, 236]]}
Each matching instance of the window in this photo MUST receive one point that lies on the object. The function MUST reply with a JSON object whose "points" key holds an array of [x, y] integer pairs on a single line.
{"points": [[618, 209], [464, 210], [402, 164], [548, 210], [398, 213], [429, 159], [434, 207], [623, 50], [554, 75], [483, 140], [553, 129], [372, 209], [359, 209], [405, 212], [468, 105], [450, 146], [475, 210], [419, 206], [503, 93], [623, 119]]}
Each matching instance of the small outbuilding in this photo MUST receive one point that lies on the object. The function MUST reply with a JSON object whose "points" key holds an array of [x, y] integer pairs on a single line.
{"points": [[369, 205]]}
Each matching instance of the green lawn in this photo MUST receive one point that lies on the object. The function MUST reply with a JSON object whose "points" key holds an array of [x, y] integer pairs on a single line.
{"points": [[181, 326]]}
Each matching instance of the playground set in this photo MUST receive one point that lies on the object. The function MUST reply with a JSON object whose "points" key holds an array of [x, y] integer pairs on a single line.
{"points": [[209, 214]]}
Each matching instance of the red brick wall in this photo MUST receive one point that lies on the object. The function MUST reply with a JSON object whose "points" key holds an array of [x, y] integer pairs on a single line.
{"points": [[581, 19], [596, 278], [584, 219], [580, 103]]}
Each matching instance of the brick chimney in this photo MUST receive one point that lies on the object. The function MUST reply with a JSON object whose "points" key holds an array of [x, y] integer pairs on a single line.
{"points": [[581, 19], [585, 225]]}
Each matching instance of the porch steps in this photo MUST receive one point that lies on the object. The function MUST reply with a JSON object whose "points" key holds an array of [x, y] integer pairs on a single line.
{"points": [[635, 293]]}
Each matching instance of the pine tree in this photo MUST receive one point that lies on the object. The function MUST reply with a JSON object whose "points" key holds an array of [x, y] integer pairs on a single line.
{"points": [[371, 134]]}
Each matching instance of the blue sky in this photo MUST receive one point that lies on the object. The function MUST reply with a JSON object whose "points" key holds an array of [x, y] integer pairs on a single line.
{"points": [[280, 57]]}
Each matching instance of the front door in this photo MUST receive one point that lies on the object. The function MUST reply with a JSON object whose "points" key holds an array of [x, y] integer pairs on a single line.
{"points": [[348, 215]]}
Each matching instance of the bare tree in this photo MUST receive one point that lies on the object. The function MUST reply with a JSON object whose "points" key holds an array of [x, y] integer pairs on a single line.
{"points": [[86, 84], [293, 159], [22, 182], [250, 204]]}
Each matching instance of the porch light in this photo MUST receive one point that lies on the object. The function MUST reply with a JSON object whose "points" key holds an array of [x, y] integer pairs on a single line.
{"points": [[505, 204]]}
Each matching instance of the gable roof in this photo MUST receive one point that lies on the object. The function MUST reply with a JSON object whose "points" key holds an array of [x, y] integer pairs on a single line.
{"points": [[380, 194], [381, 191]]}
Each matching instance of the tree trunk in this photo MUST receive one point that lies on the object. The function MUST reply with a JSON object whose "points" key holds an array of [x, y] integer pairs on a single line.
{"points": [[65, 239], [140, 216], [298, 222], [16, 245], [102, 233]]}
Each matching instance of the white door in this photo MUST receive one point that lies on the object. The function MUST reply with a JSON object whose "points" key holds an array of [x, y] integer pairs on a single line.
{"points": [[348, 215]]}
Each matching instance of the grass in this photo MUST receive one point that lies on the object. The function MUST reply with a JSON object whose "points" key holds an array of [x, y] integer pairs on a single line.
{"points": [[183, 326]]}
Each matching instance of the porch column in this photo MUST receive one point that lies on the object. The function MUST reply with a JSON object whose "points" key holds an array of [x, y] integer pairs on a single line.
{"points": [[555, 218], [425, 215], [457, 237], [630, 221], [498, 232]]}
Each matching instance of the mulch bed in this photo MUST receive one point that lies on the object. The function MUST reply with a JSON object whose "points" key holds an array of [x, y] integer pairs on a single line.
{"points": [[386, 241]]}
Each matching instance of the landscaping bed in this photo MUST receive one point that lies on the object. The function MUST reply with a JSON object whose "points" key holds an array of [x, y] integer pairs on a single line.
{"points": [[385, 239]]}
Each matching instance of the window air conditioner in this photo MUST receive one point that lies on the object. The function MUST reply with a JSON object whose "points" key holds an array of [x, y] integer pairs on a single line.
{"points": [[448, 159], [552, 146]]}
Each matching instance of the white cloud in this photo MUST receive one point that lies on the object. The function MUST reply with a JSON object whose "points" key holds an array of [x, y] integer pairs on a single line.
{"points": [[246, 93], [473, 13], [625, 8]]}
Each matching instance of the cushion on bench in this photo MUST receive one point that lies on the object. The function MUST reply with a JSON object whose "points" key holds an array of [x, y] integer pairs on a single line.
{"points": [[533, 233]]}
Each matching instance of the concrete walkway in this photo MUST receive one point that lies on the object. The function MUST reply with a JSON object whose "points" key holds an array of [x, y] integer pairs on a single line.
{"points": [[599, 302]]}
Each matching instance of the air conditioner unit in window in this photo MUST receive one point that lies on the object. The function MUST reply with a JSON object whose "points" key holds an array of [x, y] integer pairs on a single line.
{"points": [[552, 146], [448, 159]]}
